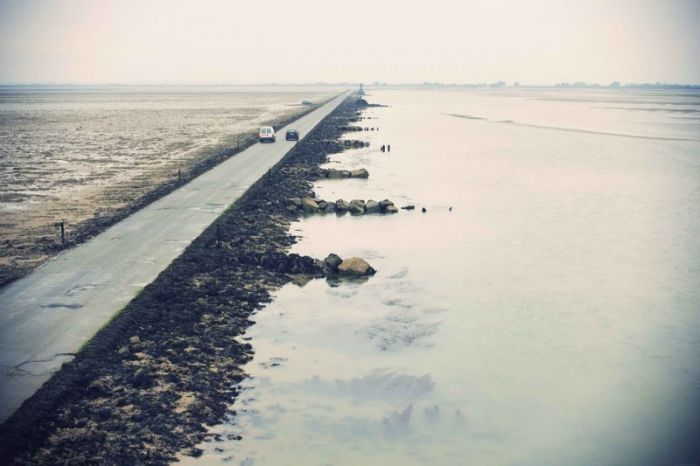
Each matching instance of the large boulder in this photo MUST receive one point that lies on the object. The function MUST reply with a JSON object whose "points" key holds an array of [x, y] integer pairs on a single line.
{"points": [[355, 267], [384, 204], [309, 205], [372, 207], [334, 174], [332, 262], [322, 205], [359, 173], [388, 207], [357, 207], [341, 206]]}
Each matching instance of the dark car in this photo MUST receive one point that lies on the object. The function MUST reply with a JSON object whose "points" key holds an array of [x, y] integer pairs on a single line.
{"points": [[292, 135]]}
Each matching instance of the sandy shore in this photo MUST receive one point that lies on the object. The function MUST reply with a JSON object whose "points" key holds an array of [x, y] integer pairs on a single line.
{"points": [[146, 385]]}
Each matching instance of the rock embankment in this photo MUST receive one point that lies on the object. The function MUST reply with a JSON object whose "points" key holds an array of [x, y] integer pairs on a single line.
{"points": [[145, 386]]}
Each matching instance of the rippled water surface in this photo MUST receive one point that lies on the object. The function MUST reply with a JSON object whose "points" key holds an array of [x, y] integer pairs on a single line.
{"points": [[551, 317]]}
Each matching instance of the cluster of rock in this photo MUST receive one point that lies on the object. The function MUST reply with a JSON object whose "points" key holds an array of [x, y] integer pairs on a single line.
{"points": [[352, 267], [354, 207], [333, 173], [295, 264], [349, 128], [355, 143]]}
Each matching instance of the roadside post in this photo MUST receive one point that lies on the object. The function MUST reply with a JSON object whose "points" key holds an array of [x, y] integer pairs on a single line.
{"points": [[61, 225]]}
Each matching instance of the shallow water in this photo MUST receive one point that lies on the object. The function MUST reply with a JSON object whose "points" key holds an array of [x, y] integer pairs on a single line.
{"points": [[552, 317]]}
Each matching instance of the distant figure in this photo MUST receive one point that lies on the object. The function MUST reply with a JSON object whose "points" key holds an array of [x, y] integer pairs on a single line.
{"points": [[450, 208], [424, 210], [383, 148], [388, 148]]}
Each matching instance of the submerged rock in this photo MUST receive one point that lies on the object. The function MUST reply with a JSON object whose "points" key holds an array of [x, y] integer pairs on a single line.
{"points": [[408, 207], [355, 267]]}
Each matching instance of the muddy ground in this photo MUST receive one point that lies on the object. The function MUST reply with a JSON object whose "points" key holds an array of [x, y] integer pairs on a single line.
{"points": [[94, 190], [145, 387]]}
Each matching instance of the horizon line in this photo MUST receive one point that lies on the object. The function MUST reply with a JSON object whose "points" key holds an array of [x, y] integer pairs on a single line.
{"points": [[493, 84]]}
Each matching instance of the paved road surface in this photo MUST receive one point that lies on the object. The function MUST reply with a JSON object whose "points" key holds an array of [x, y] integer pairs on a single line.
{"points": [[46, 316]]}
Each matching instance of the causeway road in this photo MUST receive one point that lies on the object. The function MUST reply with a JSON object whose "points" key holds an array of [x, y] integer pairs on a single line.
{"points": [[46, 316]]}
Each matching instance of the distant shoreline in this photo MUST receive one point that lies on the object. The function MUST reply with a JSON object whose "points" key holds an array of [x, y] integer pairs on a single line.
{"points": [[376, 84]]}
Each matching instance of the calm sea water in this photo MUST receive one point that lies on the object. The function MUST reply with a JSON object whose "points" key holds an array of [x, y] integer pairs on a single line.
{"points": [[551, 317]]}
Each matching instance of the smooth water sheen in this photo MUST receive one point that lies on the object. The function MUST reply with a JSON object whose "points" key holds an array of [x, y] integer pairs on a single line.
{"points": [[552, 317]]}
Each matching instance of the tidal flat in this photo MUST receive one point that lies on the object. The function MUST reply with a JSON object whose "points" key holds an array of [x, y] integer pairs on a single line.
{"points": [[89, 156]]}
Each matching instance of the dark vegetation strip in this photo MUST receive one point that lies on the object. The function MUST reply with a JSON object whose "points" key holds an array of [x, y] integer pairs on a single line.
{"points": [[168, 364]]}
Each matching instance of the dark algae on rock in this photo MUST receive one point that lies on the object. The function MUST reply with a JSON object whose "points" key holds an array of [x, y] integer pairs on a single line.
{"points": [[144, 388]]}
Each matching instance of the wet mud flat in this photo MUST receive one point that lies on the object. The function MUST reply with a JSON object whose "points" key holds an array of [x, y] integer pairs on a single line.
{"points": [[144, 388], [39, 196]]}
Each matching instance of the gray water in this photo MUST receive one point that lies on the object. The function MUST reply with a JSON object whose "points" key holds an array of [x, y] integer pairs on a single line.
{"points": [[552, 317]]}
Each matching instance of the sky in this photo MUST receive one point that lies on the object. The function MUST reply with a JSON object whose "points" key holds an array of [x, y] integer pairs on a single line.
{"points": [[306, 41]]}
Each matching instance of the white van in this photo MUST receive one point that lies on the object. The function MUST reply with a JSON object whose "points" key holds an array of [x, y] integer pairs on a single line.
{"points": [[267, 134]]}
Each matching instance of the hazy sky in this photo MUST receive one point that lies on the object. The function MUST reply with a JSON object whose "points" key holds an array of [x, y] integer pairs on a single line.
{"points": [[235, 41]]}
